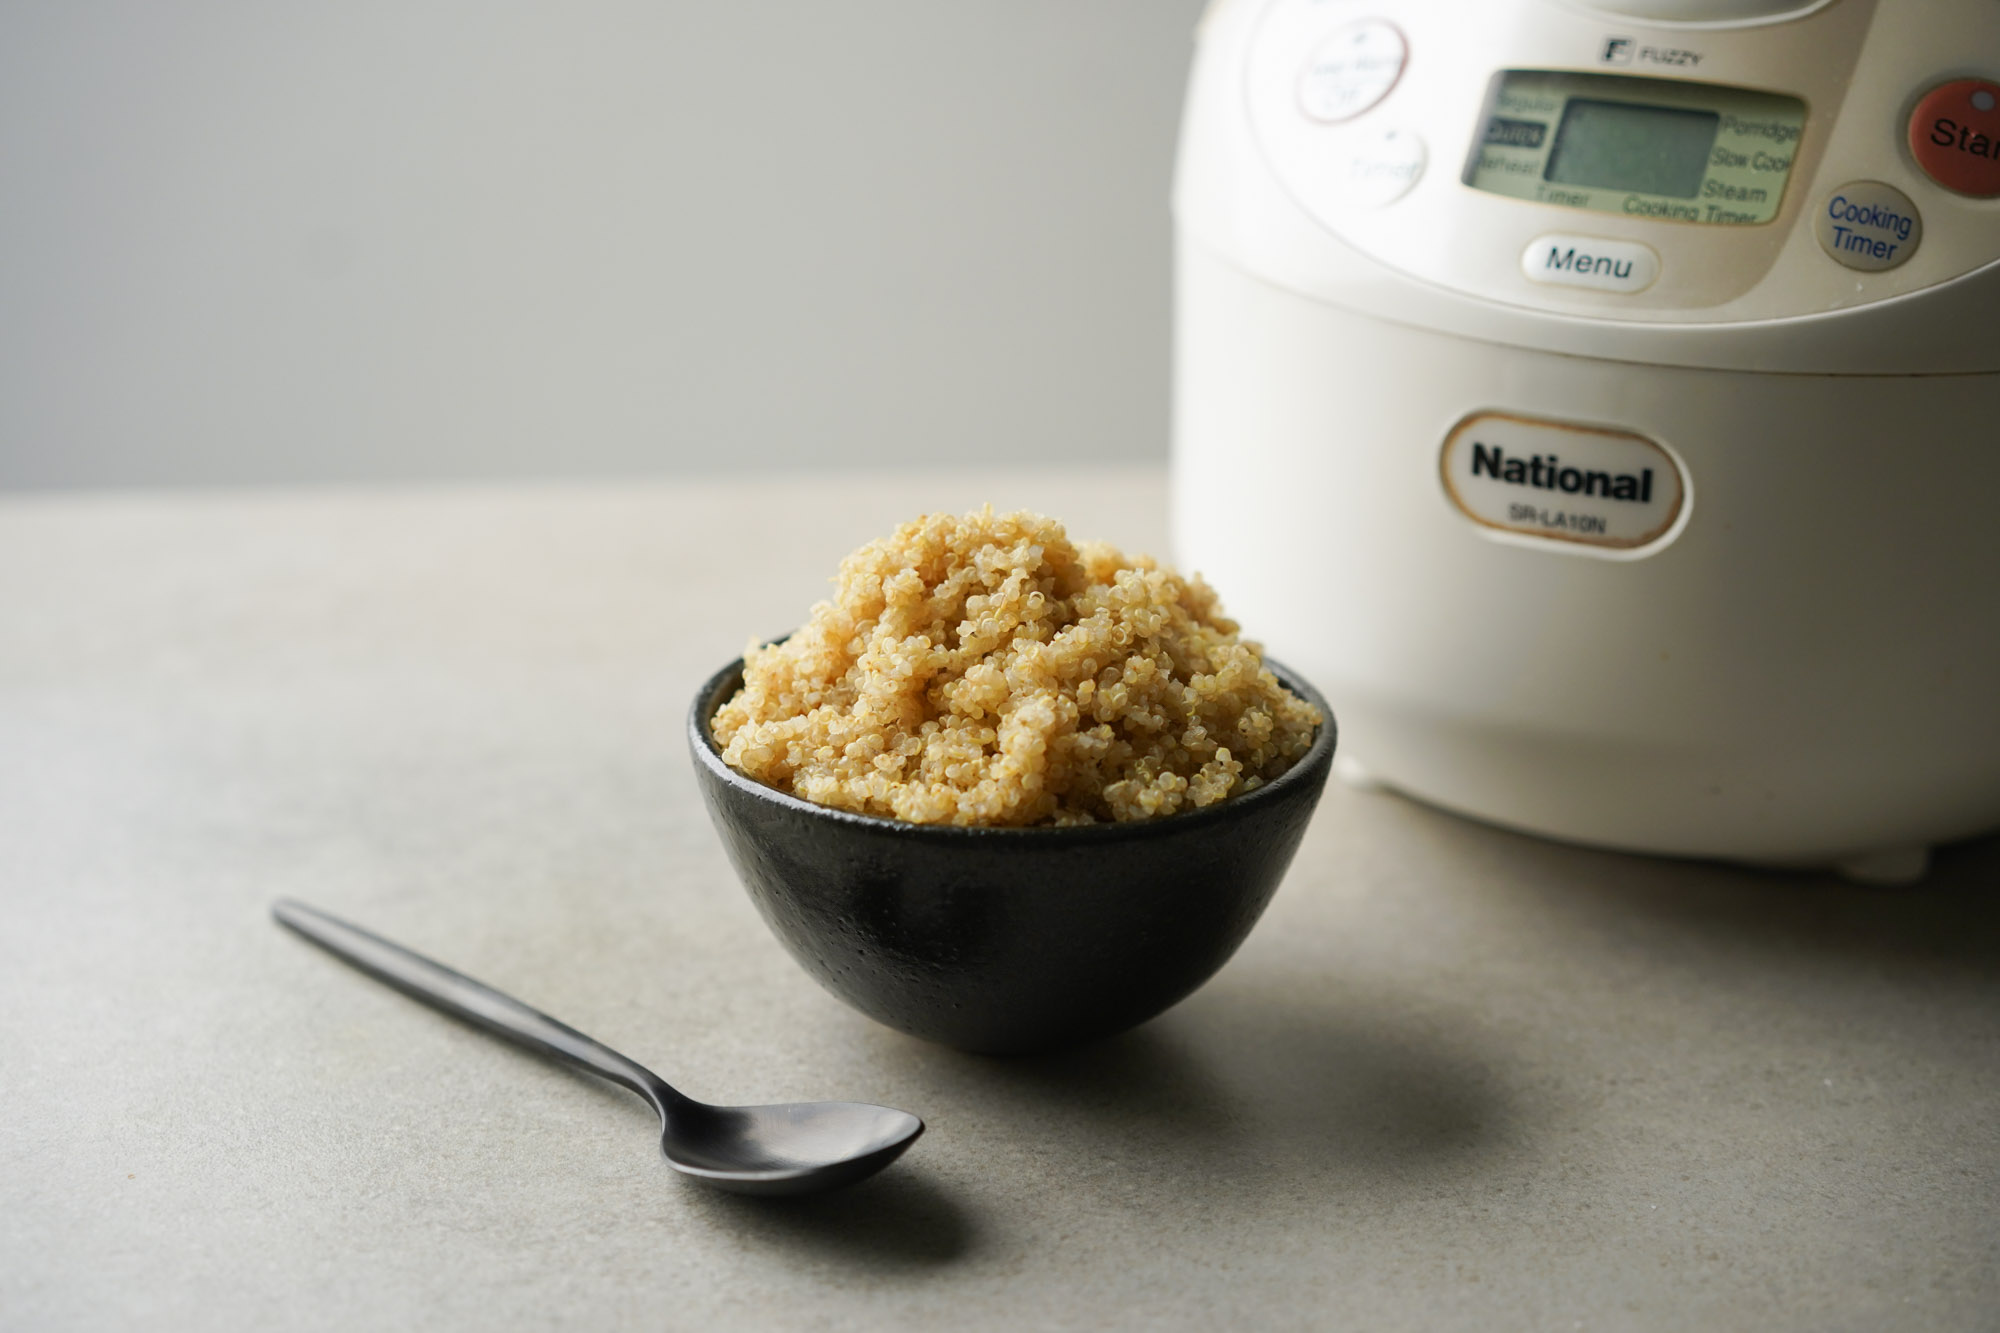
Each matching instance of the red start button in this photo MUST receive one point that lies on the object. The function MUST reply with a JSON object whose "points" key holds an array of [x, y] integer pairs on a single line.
{"points": [[1955, 136]]}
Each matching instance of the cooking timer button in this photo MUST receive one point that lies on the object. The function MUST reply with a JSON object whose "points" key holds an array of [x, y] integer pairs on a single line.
{"points": [[1352, 70], [1868, 225], [1955, 136]]}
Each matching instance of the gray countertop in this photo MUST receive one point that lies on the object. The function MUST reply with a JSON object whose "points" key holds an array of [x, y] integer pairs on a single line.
{"points": [[1457, 1078]]}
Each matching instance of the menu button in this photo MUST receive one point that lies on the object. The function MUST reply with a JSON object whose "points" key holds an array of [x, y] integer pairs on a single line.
{"points": [[1590, 261]]}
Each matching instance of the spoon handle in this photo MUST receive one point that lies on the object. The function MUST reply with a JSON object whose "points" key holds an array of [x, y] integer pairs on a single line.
{"points": [[439, 986]]}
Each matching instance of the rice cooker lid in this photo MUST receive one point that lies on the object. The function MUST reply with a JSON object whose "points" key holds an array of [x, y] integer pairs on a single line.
{"points": [[1638, 168], [1705, 12]]}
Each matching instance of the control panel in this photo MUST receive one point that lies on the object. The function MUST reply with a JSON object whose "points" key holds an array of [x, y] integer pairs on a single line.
{"points": [[1562, 157]]}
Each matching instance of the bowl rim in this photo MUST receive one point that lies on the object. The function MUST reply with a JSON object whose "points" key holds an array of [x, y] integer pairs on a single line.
{"points": [[1311, 767]]}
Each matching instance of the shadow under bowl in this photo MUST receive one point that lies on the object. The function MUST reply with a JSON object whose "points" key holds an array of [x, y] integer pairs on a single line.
{"points": [[1007, 940]]}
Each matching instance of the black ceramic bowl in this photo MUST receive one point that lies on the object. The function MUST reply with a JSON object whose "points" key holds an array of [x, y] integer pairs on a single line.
{"points": [[1006, 939]]}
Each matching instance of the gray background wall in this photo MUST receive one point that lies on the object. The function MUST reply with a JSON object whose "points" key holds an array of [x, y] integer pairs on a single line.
{"points": [[254, 243]]}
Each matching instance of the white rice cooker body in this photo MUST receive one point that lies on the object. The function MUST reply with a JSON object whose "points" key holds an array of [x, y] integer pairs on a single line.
{"points": [[1601, 403]]}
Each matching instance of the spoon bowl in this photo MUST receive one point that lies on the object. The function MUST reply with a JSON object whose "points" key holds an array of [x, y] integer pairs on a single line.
{"points": [[776, 1149], [795, 1148]]}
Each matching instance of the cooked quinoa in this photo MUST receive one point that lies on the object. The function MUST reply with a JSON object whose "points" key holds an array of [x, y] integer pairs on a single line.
{"points": [[987, 670]]}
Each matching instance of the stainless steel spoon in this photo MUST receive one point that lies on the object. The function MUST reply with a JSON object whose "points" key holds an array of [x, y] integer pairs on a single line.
{"points": [[790, 1149]]}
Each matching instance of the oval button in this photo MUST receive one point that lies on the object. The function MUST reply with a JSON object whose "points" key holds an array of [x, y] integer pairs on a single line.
{"points": [[1352, 70], [1379, 167], [1590, 261], [1869, 225]]}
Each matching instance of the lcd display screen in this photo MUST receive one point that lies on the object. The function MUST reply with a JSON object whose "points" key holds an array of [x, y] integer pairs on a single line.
{"points": [[1629, 146], [1652, 148]]}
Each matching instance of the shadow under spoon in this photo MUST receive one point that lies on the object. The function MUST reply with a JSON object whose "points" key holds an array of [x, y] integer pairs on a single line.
{"points": [[795, 1148]]}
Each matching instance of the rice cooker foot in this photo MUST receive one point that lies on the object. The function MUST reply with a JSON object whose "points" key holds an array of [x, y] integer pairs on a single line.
{"points": [[1890, 866]]}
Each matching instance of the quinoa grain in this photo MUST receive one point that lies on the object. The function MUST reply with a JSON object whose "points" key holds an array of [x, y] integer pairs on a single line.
{"points": [[986, 670]]}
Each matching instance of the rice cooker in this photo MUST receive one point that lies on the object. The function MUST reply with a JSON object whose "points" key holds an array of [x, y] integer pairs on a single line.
{"points": [[1601, 402]]}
